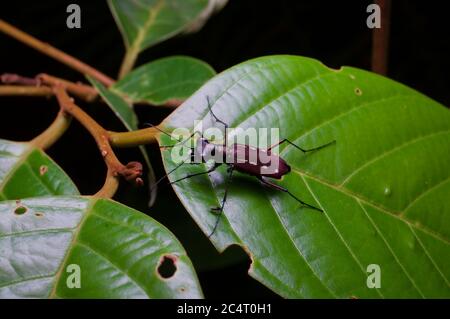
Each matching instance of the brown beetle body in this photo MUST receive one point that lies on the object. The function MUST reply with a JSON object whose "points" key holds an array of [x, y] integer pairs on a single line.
{"points": [[258, 162]]}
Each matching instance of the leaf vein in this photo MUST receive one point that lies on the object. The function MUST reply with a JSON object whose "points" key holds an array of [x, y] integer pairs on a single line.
{"points": [[390, 249], [429, 256], [133, 280], [337, 231], [393, 150], [299, 250], [425, 193], [22, 280], [373, 204]]}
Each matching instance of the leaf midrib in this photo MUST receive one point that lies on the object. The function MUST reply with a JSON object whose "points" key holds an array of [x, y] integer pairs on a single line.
{"points": [[89, 211], [150, 21], [75, 235]]}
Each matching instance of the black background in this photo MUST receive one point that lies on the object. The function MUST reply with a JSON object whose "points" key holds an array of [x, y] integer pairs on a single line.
{"points": [[334, 32]]}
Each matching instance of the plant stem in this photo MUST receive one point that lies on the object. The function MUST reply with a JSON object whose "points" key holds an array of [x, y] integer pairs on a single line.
{"points": [[110, 186], [47, 138], [128, 62], [56, 54], [134, 138], [380, 39], [14, 90], [131, 172], [83, 91]]}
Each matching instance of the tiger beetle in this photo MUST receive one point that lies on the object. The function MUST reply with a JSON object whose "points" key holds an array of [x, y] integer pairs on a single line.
{"points": [[238, 158]]}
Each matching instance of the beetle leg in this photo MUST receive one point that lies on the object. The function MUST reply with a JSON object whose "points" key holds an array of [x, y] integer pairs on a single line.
{"points": [[299, 148], [282, 189], [173, 170], [197, 174], [182, 142], [219, 210]]}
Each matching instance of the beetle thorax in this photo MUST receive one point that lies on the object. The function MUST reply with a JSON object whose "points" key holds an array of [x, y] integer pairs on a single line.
{"points": [[205, 151]]}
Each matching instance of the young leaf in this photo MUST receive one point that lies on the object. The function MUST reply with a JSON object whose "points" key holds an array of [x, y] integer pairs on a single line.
{"points": [[79, 247], [26, 171], [121, 108], [144, 23], [383, 186], [157, 82]]}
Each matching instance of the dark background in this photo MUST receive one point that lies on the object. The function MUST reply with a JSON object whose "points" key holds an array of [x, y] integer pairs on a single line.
{"points": [[334, 32]]}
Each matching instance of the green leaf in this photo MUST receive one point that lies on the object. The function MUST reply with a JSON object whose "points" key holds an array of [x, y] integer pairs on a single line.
{"points": [[113, 250], [383, 186], [117, 104], [144, 23], [26, 171], [165, 79], [128, 117]]}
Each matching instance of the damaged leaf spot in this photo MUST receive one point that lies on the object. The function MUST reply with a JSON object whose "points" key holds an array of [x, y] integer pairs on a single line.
{"points": [[43, 169], [166, 267], [39, 214], [20, 210], [358, 91]]}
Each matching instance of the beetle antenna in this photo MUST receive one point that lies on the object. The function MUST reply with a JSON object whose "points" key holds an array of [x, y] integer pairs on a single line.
{"points": [[218, 120], [214, 115], [157, 128], [162, 178]]}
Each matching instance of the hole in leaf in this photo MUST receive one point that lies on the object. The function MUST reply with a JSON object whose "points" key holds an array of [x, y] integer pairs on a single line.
{"points": [[167, 267], [358, 91], [43, 169], [39, 214], [20, 210]]}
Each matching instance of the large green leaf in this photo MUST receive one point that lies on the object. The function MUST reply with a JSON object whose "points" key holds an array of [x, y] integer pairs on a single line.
{"points": [[144, 23], [128, 117], [116, 251], [26, 171], [165, 79], [383, 186]]}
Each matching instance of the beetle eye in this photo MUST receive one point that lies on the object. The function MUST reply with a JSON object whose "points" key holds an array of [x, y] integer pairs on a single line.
{"points": [[213, 151]]}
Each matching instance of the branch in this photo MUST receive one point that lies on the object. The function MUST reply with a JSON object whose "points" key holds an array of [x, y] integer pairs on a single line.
{"points": [[128, 61], [14, 90], [83, 91], [134, 138], [110, 186], [380, 39], [41, 86], [131, 172], [47, 138], [56, 54]]}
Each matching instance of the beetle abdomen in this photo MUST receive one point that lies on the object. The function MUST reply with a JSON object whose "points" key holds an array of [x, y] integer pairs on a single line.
{"points": [[258, 162]]}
